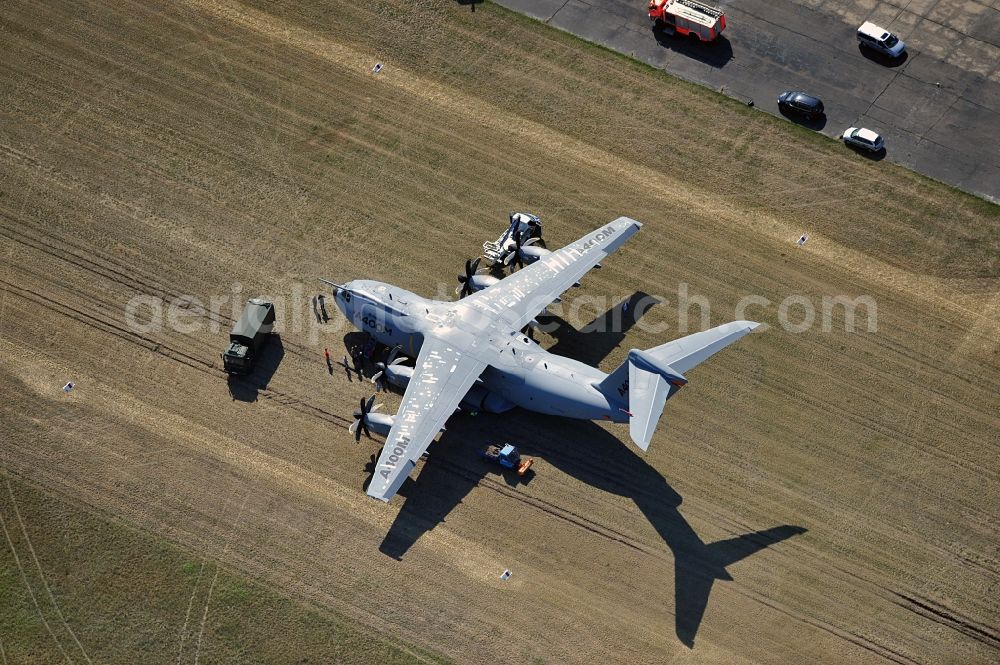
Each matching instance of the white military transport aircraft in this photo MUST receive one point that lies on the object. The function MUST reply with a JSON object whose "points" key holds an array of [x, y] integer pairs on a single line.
{"points": [[472, 352]]}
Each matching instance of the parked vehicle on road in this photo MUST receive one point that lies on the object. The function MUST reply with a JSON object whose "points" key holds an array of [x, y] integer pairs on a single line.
{"points": [[880, 39], [687, 17], [801, 103], [865, 139]]}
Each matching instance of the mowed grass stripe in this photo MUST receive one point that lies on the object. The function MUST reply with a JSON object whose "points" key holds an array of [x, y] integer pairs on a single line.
{"points": [[124, 592]]}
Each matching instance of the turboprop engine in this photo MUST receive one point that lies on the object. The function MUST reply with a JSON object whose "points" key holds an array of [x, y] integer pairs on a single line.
{"points": [[368, 421], [471, 282], [526, 251], [393, 373]]}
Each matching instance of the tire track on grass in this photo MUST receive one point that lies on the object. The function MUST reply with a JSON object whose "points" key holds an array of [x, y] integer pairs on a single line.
{"points": [[196, 363], [949, 618], [540, 504], [142, 285], [215, 578], [27, 585], [168, 351], [41, 574], [194, 591], [613, 535], [561, 146]]}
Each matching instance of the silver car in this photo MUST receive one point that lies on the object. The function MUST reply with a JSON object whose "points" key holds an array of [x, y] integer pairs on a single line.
{"points": [[865, 139]]}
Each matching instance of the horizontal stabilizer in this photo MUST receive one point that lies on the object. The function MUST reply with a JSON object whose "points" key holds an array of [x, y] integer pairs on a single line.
{"points": [[647, 362], [684, 353]]}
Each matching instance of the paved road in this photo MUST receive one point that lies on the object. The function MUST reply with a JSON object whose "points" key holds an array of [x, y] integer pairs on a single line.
{"points": [[939, 109]]}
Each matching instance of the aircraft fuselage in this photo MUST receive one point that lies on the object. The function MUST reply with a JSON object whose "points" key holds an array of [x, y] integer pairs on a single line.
{"points": [[520, 372]]}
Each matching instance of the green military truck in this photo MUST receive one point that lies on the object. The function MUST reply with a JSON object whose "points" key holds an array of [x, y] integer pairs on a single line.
{"points": [[247, 337]]}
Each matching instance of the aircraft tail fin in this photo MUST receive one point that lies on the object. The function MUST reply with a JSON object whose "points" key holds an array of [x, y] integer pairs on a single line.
{"points": [[647, 379], [650, 384]]}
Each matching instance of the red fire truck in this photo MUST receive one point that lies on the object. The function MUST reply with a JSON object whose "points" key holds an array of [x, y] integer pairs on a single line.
{"points": [[688, 17]]}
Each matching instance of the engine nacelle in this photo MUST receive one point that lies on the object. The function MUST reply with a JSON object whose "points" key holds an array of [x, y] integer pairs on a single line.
{"points": [[532, 253], [380, 423], [496, 403], [398, 375], [480, 282], [480, 398], [473, 400]]}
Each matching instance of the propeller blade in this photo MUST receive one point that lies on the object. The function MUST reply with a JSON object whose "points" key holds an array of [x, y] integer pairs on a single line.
{"points": [[393, 353], [518, 258], [364, 426], [358, 424], [466, 280], [368, 406]]}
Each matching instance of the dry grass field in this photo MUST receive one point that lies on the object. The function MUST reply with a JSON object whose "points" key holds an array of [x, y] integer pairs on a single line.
{"points": [[821, 497]]}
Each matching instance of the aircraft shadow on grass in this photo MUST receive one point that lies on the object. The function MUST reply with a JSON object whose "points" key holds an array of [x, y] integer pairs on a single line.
{"points": [[596, 457], [592, 343]]}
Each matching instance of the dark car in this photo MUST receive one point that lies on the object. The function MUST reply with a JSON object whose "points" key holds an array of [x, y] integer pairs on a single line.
{"points": [[801, 103]]}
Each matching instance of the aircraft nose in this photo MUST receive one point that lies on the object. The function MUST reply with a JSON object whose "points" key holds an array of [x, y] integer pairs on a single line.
{"points": [[343, 299]]}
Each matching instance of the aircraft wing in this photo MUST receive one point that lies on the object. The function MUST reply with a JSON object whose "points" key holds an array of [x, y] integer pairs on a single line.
{"points": [[518, 298], [441, 377]]}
